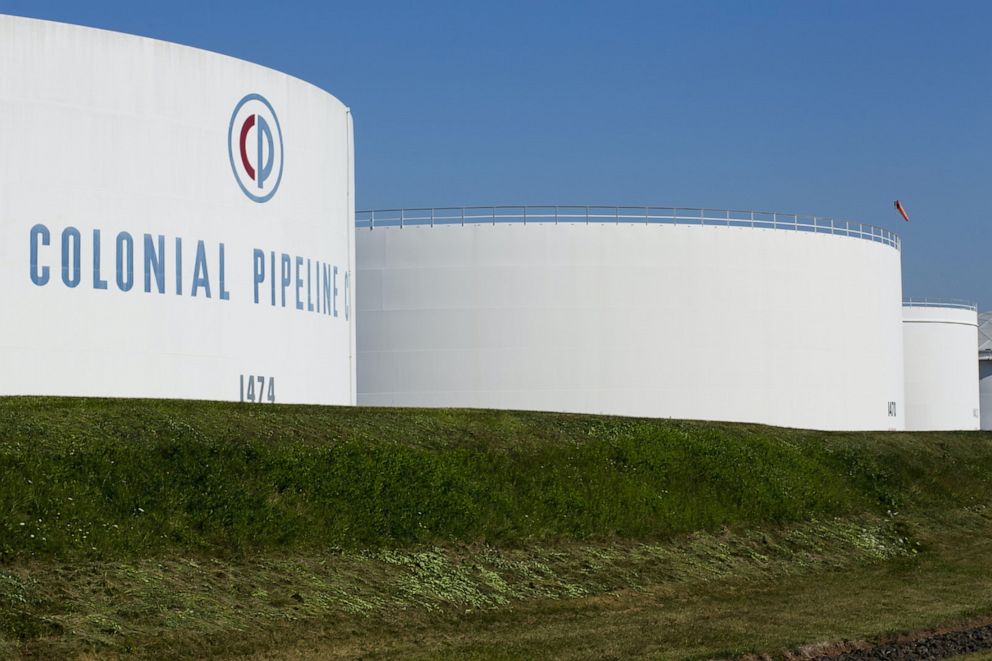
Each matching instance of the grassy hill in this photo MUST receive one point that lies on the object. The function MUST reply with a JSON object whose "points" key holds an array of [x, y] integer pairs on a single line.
{"points": [[262, 522]]}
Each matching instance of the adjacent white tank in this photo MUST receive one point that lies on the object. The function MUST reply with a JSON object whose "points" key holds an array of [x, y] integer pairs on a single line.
{"points": [[941, 370], [173, 223], [764, 318]]}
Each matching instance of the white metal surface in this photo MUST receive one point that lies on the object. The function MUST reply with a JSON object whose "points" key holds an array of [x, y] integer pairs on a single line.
{"points": [[985, 335], [985, 368], [785, 327], [113, 148], [941, 370]]}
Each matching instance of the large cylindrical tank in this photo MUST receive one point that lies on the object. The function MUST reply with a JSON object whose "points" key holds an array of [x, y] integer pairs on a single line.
{"points": [[173, 223], [939, 340], [650, 312]]}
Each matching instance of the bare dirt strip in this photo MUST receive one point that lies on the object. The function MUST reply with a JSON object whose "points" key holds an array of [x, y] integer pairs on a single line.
{"points": [[941, 643]]}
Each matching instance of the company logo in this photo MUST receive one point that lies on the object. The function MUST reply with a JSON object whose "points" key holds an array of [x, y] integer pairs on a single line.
{"points": [[254, 145]]}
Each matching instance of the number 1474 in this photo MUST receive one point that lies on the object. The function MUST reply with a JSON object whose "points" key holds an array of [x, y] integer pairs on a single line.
{"points": [[258, 388]]}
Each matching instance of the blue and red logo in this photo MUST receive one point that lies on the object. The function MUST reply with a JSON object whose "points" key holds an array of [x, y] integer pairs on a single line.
{"points": [[254, 145]]}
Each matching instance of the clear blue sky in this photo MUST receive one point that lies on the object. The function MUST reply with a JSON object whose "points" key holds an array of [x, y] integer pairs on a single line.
{"points": [[833, 108]]}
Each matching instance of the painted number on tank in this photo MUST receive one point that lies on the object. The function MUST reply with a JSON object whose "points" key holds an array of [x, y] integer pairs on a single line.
{"points": [[258, 388]]}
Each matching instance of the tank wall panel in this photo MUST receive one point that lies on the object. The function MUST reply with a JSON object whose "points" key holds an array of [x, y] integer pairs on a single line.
{"points": [[727, 323]]}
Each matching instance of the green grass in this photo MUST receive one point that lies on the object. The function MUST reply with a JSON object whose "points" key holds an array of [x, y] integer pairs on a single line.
{"points": [[118, 478], [166, 528]]}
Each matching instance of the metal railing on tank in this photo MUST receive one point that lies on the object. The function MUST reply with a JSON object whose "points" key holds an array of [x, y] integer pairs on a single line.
{"points": [[939, 303], [495, 215]]}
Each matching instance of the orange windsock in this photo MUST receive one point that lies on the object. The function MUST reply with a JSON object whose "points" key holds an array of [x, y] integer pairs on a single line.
{"points": [[901, 210]]}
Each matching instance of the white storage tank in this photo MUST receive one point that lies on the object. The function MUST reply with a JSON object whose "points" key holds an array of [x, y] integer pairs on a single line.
{"points": [[719, 315], [941, 371], [173, 223], [985, 368]]}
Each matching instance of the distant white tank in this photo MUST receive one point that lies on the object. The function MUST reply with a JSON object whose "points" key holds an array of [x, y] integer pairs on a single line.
{"points": [[985, 368], [939, 339]]}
